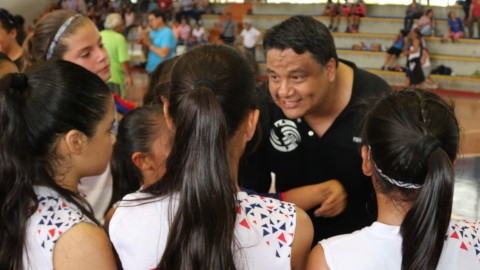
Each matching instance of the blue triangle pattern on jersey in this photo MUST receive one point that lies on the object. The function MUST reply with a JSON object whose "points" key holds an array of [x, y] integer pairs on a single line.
{"points": [[277, 254], [283, 227], [265, 232], [263, 216], [274, 230]]}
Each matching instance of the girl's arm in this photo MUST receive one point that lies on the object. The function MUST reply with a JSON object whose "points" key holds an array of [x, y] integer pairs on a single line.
{"points": [[302, 240], [316, 260], [84, 246]]}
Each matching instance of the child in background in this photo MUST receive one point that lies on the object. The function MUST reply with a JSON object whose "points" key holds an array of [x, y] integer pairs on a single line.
{"points": [[394, 51], [455, 28], [347, 12], [360, 11], [331, 10]]}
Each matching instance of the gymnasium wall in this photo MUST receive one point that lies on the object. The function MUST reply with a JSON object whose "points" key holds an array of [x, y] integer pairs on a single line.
{"points": [[29, 9]]}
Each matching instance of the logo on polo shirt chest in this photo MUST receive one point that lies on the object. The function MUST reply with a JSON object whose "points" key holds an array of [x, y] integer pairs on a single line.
{"points": [[284, 136]]}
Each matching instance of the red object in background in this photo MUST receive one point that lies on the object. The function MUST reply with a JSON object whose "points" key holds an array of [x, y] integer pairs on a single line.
{"points": [[164, 4]]}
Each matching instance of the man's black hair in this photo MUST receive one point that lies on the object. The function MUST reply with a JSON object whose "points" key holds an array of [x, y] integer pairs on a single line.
{"points": [[301, 34], [158, 13]]}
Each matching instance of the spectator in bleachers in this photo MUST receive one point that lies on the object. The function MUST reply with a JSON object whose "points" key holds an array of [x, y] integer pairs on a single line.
{"points": [[186, 8], [229, 29], [116, 4], [117, 48], [474, 16], [455, 28], [414, 11], [331, 10], [174, 25], [8, 38], [6, 65], [129, 20], [360, 11], [427, 69], [166, 7], [394, 51], [184, 30], [347, 13], [21, 35], [161, 41], [200, 9], [426, 24], [143, 29], [144, 5], [152, 5], [466, 7], [198, 35], [250, 36], [413, 52]]}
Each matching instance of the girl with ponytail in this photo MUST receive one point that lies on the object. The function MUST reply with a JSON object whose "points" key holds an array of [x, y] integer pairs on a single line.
{"points": [[47, 146], [195, 217], [411, 140]]}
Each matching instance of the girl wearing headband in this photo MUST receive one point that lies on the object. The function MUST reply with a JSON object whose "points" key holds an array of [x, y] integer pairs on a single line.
{"points": [[411, 144], [63, 34], [8, 41], [195, 217], [47, 146]]}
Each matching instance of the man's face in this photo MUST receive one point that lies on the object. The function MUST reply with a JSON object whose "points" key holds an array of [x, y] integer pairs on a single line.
{"points": [[297, 82], [154, 22], [228, 16], [248, 26]]}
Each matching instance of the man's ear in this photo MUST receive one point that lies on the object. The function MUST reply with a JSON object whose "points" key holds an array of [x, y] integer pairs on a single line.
{"points": [[331, 69], [75, 140], [141, 160], [366, 163], [168, 118], [252, 121]]}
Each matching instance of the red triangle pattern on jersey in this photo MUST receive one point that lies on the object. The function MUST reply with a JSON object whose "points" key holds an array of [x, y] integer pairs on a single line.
{"points": [[463, 246], [454, 235], [281, 237], [244, 223]]}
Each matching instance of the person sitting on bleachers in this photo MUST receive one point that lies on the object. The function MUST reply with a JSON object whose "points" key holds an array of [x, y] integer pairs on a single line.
{"points": [[410, 145], [426, 24], [129, 20], [229, 29], [360, 11], [474, 16], [414, 11], [198, 35], [184, 31], [455, 28], [347, 13], [394, 51], [331, 10]]}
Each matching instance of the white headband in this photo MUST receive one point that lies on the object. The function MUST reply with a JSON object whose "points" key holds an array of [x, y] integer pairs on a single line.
{"points": [[59, 34]]}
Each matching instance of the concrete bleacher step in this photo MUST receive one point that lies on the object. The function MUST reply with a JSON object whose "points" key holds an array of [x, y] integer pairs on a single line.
{"points": [[367, 25], [372, 10], [461, 66], [455, 83]]}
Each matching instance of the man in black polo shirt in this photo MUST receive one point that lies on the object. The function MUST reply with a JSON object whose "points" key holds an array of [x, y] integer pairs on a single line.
{"points": [[311, 131]]}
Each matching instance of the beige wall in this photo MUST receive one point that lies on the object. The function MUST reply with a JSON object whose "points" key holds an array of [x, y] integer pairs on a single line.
{"points": [[29, 9]]}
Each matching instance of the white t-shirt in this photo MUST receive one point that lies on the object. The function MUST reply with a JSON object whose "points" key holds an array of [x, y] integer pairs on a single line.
{"points": [[53, 217], [250, 37], [380, 247], [97, 190], [265, 231], [129, 19], [198, 32]]}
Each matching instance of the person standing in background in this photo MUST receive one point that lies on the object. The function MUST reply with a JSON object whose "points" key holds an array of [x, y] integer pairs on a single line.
{"points": [[8, 38], [250, 36], [117, 49], [161, 42], [229, 29]]}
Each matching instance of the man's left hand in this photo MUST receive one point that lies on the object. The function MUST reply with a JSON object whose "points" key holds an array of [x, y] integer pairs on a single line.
{"points": [[336, 198]]}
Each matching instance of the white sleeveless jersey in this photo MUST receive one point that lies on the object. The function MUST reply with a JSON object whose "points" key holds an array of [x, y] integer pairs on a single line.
{"points": [[380, 247], [265, 231]]}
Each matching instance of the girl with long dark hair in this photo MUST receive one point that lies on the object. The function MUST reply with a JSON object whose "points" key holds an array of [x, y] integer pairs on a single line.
{"points": [[410, 149], [66, 35], [47, 146], [195, 217]]}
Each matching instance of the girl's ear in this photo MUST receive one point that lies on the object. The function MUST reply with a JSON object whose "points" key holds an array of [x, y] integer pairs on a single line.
{"points": [[366, 163], [141, 160], [168, 118], [74, 141], [252, 124]]}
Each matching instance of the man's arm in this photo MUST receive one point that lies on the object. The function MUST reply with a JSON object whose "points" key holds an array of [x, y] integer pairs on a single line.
{"points": [[162, 52], [128, 74]]}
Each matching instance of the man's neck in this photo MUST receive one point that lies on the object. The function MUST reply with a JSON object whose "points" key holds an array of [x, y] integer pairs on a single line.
{"points": [[337, 98], [160, 27], [13, 52]]}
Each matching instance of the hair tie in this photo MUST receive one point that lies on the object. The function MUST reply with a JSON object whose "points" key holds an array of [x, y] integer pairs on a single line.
{"points": [[19, 81], [207, 82], [59, 33], [425, 146]]}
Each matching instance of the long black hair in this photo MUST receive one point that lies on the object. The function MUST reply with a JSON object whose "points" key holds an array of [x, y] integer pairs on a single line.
{"points": [[35, 111], [211, 93], [137, 131], [413, 135]]}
